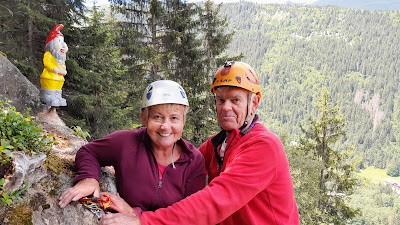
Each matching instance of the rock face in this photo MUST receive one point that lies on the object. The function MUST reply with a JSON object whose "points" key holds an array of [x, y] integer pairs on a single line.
{"points": [[16, 87], [47, 176]]}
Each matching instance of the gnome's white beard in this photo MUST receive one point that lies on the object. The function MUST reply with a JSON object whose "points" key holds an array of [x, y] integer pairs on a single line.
{"points": [[60, 57]]}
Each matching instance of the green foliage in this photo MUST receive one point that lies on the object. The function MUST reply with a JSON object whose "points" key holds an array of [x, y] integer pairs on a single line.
{"points": [[9, 199], [304, 170], [375, 175], [19, 132], [362, 4], [298, 50], [5, 151], [378, 202], [104, 95], [323, 176], [393, 170], [77, 130]]}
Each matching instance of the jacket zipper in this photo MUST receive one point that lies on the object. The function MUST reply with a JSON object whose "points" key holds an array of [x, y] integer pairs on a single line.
{"points": [[159, 183], [222, 158], [158, 192]]}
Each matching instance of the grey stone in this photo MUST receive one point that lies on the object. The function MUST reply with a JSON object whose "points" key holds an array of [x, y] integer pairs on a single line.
{"points": [[24, 167], [16, 87]]}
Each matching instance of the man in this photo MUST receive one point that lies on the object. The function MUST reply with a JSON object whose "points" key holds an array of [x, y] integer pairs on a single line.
{"points": [[52, 78], [250, 182]]}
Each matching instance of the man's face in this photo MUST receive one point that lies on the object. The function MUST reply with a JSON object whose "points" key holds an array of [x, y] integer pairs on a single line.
{"points": [[231, 103]]}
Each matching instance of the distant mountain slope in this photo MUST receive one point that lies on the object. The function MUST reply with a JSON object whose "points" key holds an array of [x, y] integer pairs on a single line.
{"points": [[362, 4], [300, 50]]}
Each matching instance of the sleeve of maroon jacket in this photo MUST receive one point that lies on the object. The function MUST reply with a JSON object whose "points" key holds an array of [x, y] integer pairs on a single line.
{"points": [[252, 170], [98, 153]]}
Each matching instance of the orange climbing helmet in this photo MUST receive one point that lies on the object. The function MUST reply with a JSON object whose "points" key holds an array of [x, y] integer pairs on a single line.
{"points": [[237, 74]]}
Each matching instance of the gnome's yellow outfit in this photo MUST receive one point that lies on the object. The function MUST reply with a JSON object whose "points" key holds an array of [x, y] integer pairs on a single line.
{"points": [[49, 79], [51, 83]]}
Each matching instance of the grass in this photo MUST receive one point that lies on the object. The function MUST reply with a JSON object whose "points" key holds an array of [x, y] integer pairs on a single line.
{"points": [[375, 175]]}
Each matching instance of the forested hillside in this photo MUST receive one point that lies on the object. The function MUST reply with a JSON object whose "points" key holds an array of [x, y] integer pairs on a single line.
{"points": [[299, 50], [362, 4]]}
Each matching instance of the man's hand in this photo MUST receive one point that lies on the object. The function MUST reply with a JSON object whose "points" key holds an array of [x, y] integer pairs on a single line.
{"points": [[119, 204], [119, 219], [83, 188]]}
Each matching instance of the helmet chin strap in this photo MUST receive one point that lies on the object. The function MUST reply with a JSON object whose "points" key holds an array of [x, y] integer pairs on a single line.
{"points": [[249, 115]]}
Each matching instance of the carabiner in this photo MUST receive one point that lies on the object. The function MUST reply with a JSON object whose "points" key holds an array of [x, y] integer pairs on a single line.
{"points": [[105, 199]]}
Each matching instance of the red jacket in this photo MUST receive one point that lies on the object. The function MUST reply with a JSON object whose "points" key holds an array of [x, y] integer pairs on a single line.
{"points": [[136, 170], [254, 186]]}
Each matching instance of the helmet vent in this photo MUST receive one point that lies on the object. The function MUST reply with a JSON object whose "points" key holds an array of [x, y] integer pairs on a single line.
{"points": [[149, 91], [229, 63]]}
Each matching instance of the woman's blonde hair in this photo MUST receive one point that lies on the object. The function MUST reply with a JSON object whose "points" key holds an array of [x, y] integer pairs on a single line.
{"points": [[163, 107]]}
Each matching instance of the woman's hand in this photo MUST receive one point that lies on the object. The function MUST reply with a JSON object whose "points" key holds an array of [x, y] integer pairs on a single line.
{"points": [[119, 204], [119, 219], [85, 187]]}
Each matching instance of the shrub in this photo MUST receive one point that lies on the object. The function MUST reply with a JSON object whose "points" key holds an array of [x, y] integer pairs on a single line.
{"points": [[19, 132], [393, 170], [77, 130]]}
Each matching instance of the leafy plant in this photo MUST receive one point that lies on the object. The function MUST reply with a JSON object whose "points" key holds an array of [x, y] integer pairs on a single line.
{"points": [[5, 150], [19, 132], [8, 199], [77, 130]]}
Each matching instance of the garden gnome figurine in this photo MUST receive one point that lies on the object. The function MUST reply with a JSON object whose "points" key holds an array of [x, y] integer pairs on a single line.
{"points": [[52, 78]]}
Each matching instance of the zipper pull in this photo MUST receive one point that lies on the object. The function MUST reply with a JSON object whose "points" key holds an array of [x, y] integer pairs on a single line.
{"points": [[159, 184]]}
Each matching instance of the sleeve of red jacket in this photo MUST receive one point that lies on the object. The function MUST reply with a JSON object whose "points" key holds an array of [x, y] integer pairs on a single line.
{"points": [[98, 153], [197, 178], [252, 170], [207, 150]]}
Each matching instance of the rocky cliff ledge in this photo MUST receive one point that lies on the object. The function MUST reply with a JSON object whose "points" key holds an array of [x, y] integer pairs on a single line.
{"points": [[42, 178]]}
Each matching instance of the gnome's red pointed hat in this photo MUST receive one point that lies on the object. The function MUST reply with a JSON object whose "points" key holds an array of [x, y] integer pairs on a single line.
{"points": [[54, 33]]}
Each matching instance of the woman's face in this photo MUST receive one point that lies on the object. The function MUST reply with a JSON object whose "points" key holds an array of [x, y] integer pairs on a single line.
{"points": [[164, 124]]}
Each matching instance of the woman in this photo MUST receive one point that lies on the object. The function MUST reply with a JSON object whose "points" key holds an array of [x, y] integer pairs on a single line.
{"points": [[154, 166]]}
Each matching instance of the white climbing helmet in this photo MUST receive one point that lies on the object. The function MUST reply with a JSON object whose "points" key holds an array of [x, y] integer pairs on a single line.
{"points": [[164, 92]]}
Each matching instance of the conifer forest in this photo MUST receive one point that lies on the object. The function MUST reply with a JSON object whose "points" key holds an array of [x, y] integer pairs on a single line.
{"points": [[330, 79]]}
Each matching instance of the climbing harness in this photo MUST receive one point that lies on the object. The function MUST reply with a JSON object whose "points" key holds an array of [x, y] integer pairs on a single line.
{"points": [[93, 204]]}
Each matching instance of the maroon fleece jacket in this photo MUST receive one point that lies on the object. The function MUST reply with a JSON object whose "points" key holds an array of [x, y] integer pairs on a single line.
{"points": [[136, 170]]}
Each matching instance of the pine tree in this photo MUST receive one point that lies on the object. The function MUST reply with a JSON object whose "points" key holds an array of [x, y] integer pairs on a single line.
{"points": [[101, 89], [186, 63], [214, 41], [304, 170], [139, 37], [335, 177]]}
